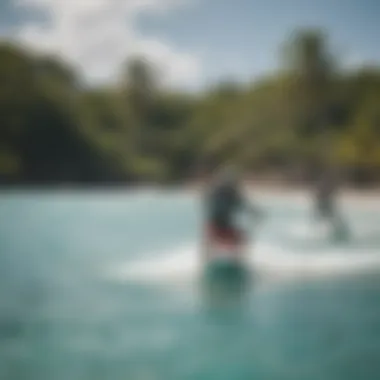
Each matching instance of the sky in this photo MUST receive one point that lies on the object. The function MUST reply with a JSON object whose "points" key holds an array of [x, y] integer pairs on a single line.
{"points": [[194, 42]]}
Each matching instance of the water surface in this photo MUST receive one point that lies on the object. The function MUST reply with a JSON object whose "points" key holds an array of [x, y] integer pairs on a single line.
{"points": [[104, 285]]}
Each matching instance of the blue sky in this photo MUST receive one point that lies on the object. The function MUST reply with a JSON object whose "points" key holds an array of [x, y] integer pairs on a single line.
{"points": [[195, 41], [241, 38]]}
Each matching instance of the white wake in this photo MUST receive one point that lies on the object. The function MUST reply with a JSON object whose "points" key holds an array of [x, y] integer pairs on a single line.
{"points": [[271, 261]]}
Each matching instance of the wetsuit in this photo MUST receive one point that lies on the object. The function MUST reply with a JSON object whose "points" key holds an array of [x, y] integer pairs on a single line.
{"points": [[223, 202]]}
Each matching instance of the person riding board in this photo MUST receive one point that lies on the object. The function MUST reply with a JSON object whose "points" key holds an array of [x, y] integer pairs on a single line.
{"points": [[224, 200]]}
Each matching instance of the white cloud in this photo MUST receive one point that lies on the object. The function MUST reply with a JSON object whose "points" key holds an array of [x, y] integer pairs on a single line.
{"points": [[184, 66], [98, 35]]}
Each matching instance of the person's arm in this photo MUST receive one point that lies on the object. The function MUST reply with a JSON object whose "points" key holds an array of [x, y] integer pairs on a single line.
{"points": [[251, 207], [204, 237], [255, 211], [205, 244]]}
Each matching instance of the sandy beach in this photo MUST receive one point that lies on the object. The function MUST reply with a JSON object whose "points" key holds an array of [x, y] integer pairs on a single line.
{"points": [[263, 189]]}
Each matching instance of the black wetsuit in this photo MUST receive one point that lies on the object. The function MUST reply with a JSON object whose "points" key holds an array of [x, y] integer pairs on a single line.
{"points": [[222, 204]]}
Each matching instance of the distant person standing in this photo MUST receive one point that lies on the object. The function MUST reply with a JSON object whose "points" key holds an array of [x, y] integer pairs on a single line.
{"points": [[325, 205], [325, 198]]}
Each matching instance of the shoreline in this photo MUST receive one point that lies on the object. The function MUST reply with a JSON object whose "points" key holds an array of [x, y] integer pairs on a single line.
{"points": [[261, 188], [264, 188]]}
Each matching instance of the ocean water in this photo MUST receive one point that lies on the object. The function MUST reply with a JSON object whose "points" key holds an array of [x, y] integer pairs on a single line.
{"points": [[107, 285]]}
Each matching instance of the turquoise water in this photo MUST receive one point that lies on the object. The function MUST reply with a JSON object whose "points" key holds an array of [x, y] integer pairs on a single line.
{"points": [[105, 285]]}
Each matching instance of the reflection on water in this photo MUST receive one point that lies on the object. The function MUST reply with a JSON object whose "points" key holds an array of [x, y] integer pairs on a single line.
{"points": [[62, 318], [225, 286]]}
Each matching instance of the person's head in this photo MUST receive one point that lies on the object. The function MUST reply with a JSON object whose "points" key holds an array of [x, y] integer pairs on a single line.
{"points": [[227, 175]]}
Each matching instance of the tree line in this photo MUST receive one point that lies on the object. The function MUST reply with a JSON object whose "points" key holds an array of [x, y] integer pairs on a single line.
{"points": [[308, 117]]}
